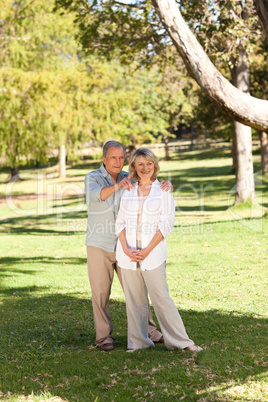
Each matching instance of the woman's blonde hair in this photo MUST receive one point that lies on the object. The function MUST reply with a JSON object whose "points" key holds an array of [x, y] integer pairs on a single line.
{"points": [[147, 154]]}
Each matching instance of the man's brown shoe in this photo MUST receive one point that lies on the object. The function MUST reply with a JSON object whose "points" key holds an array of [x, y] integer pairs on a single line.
{"points": [[161, 340], [106, 347]]}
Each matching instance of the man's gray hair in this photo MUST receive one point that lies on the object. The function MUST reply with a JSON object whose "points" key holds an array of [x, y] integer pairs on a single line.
{"points": [[111, 144]]}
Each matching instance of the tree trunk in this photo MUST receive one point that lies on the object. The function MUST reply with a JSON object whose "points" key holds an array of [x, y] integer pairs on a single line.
{"points": [[165, 138], [234, 148], [14, 174], [243, 138], [192, 138], [264, 150], [241, 107], [62, 161], [262, 11], [244, 170], [130, 147]]}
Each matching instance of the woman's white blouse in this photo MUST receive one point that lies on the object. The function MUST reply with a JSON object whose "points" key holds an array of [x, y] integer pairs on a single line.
{"points": [[158, 213]]}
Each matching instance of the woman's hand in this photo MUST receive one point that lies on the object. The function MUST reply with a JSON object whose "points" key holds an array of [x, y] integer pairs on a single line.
{"points": [[132, 254], [142, 254]]}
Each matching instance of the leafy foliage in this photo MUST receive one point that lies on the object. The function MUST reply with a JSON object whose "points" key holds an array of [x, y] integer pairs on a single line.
{"points": [[51, 95], [20, 115], [112, 28], [40, 110], [222, 25], [33, 37], [132, 105], [41, 103]]}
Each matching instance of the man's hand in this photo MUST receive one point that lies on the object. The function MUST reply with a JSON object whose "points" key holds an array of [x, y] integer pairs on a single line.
{"points": [[106, 192], [166, 186], [126, 183]]}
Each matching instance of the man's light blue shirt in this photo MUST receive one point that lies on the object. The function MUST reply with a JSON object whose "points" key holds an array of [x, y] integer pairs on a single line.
{"points": [[102, 214]]}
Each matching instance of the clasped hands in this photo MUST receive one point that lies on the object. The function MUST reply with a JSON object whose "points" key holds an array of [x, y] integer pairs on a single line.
{"points": [[137, 255]]}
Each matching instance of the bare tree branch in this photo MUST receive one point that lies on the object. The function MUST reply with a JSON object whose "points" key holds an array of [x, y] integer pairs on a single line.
{"points": [[238, 105]]}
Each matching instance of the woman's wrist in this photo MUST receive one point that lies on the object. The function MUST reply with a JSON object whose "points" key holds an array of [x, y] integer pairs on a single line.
{"points": [[147, 251], [125, 249]]}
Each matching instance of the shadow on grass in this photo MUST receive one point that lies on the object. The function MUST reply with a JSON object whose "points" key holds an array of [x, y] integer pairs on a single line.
{"points": [[87, 166], [206, 172], [9, 264], [47, 345], [206, 181], [201, 210], [236, 224], [213, 153], [55, 223], [71, 224]]}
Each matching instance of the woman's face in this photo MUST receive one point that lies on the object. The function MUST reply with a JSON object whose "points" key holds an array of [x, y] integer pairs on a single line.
{"points": [[144, 167]]}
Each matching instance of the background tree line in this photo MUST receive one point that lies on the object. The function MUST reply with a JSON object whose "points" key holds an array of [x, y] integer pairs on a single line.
{"points": [[53, 95], [229, 32], [92, 70]]}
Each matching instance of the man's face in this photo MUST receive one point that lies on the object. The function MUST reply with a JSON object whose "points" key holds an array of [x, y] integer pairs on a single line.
{"points": [[115, 161]]}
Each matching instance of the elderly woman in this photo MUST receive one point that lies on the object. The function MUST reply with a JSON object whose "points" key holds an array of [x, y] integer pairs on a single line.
{"points": [[145, 219]]}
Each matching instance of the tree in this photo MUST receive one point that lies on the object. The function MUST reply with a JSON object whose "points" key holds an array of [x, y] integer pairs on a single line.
{"points": [[123, 103], [75, 99], [236, 20], [170, 100], [233, 100], [242, 107], [33, 38], [242, 137], [262, 10], [38, 57], [259, 87], [66, 104], [109, 24], [20, 115], [40, 110], [228, 24], [264, 150]]}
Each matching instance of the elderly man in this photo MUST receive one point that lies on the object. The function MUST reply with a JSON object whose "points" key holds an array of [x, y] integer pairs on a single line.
{"points": [[104, 188]]}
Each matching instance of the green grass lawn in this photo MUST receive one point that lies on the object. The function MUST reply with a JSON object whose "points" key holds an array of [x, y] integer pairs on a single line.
{"points": [[217, 275]]}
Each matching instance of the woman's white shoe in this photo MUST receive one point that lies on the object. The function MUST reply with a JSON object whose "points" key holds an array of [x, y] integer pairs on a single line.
{"points": [[194, 348]]}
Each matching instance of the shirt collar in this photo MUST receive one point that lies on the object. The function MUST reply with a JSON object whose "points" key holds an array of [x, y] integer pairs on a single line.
{"points": [[106, 174], [154, 183], [104, 171]]}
